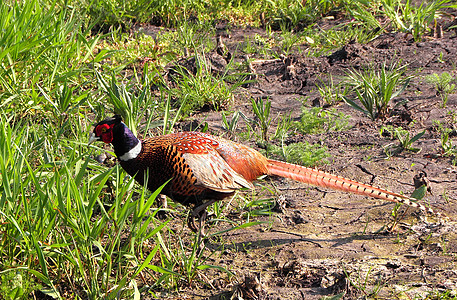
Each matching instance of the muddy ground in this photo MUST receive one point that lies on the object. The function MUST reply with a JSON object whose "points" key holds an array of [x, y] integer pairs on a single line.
{"points": [[321, 242]]}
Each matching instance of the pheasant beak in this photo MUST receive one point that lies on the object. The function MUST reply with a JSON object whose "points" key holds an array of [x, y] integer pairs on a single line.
{"points": [[92, 138]]}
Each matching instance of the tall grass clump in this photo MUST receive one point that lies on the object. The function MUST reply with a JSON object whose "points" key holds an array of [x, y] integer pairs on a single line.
{"points": [[109, 14], [298, 14], [404, 16], [376, 88], [25, 217], [42, 48], [69, 225], [203, 88]]}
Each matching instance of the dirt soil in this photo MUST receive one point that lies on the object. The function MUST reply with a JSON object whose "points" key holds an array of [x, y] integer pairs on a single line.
{"points": [[321, 242]]}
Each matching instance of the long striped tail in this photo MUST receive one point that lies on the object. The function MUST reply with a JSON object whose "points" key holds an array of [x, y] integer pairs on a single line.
{"points": [[323, 179]]}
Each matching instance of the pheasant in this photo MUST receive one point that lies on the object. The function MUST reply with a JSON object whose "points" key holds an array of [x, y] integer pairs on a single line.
{"points": [[203, 168]]}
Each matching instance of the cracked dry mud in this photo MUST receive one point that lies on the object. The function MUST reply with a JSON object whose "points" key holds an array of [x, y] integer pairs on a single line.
{"points": [[323, 242]]}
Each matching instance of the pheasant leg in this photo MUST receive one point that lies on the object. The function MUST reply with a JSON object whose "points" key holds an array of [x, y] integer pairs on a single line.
{"points": [[200, 213], [161, 201]]}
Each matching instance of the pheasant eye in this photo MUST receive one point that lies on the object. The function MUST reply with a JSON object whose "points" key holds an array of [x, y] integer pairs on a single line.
{"points": [[101, 129]]}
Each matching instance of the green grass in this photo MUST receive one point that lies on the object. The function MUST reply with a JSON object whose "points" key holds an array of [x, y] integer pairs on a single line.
{"points": [[413, 19], [305, 154], [448, 148], [317, 120], [404, 138], [203, 89], [44, 49], [67, 221], [444, 85], [375, 89]]}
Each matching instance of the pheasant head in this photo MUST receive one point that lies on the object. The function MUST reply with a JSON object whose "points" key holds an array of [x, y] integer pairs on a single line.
{"points": [[114, 131]]}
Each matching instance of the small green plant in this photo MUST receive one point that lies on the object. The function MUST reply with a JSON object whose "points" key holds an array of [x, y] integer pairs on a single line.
{"points": [[263, 120], [230, 126], [443, 84], [440, 58], [361, 282], [334, 297], [259, 207], [284, 126], [452, 114], [124, 100], [300, 153], [287, 14], [448, 149], [403, 136], [288, 40], [344, 33], [192, 262], [181, 262], [318, 120], [375, 89], [365, 12], [191, 35], [261, 203], [203, 89], [331, 93], [249, 205], [16, 284], [441, 295], [168, 121], [261, 45]]}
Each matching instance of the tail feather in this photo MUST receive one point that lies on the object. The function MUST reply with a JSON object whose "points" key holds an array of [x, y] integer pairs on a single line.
{"points": [[323, 179]]}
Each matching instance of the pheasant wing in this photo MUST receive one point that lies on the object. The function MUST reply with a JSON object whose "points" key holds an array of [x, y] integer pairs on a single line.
{"points": [[210, 169], [213, 172]]}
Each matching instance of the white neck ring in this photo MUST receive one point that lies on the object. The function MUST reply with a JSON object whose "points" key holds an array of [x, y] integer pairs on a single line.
{"points": [[132, 153]]}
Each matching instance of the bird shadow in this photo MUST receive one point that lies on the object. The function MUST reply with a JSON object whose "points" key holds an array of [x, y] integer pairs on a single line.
{"points": [[291, 238]]}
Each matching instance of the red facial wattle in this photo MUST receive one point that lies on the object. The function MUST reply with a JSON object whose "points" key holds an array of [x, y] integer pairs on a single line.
{"points": [[107, 137], [105, 132]]}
